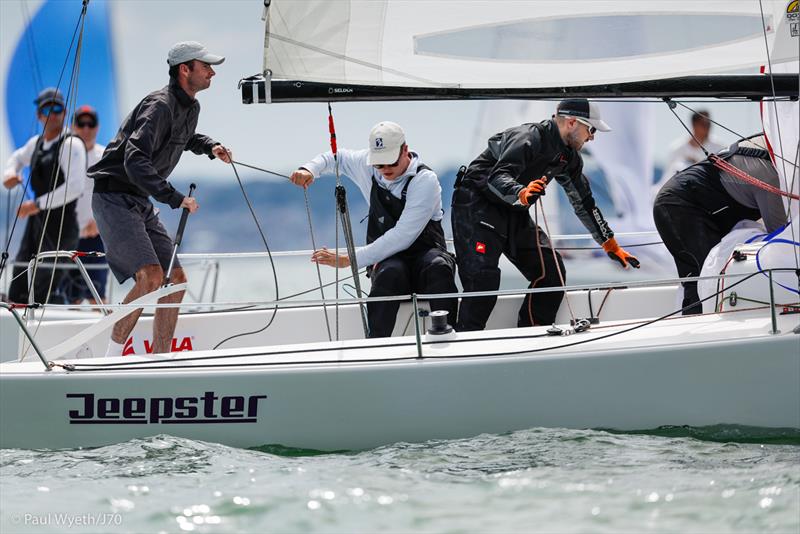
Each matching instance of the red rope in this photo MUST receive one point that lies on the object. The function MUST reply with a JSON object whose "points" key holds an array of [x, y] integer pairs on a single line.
{"points": [[723, 165], [332, 130]]}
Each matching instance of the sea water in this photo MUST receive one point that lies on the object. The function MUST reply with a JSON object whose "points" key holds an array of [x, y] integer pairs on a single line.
{"points": [[721, 479]]}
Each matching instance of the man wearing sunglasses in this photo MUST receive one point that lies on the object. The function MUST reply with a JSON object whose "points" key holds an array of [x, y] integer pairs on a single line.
{"points": [[57, 163], [491, 215], [406, 250], [85, 124], [135, 166]]}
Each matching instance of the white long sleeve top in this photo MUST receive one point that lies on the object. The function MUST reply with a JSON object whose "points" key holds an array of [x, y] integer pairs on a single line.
{"points": [[73, 164], [423, 199]]}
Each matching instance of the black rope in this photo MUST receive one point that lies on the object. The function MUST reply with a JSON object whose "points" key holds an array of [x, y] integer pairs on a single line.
{"points": [[155, 363]]}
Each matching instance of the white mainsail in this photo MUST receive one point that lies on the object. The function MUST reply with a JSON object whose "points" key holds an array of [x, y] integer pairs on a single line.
{"points": [[510, 43]]}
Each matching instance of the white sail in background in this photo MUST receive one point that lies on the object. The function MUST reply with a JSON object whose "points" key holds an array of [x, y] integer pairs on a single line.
{"points": [[510, 43]]}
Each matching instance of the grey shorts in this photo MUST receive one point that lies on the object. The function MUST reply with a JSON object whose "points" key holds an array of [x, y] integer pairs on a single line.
{"points": [[132, 233]]}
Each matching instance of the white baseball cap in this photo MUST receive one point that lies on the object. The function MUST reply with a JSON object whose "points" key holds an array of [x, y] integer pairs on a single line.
{"points": [[385, 141], [582, 108], [189, 50]]}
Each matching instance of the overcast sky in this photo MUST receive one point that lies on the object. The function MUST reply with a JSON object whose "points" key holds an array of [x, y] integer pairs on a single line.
{"points": [[279, 136]]}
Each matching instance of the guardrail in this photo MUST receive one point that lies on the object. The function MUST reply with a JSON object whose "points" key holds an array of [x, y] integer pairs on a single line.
{"points": [[414, 299]]}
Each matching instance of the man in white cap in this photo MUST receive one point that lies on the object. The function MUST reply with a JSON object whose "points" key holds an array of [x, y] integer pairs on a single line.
{"points": [[135, 166], [490, 211], [406, 250]]}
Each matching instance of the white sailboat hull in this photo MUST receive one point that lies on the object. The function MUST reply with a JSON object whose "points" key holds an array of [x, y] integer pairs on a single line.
{"points": [[377, 392]]}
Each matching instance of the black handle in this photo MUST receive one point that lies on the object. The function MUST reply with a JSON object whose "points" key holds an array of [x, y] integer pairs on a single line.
{"points": [[184, 217]]}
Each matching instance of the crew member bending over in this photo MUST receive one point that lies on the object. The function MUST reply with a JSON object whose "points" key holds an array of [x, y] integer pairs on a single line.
{"points": [[697, 207], [491, 217]]}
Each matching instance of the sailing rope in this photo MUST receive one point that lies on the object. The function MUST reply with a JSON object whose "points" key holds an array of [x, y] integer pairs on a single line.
{"points": [[332, 132], [558, 267], [541, 262], [271, 261], [319, 274], [727, 167], [311, 231], [347, 229]]}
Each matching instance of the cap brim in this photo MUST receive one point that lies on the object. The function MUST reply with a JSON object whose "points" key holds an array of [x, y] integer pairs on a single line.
{"points": [[599, 124], [49, 101], [384, 157], [211, 59]]}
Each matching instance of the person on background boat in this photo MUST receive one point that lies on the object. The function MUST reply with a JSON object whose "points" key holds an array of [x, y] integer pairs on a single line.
{"points": [[406, 250], [491, 214], [85, 124], [135, 166], [57, 162], [697, 207], [685, 152]]}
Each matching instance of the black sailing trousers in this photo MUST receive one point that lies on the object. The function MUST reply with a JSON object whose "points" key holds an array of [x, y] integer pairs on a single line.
{"points": [[433, 271], [693, 213], [481, 232], [35, 227]]}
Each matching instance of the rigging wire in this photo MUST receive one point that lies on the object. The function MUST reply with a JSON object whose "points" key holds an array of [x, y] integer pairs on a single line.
{"points": [[734, 132], [788, 186], [29, 37], [78, 25], [72, 91]]}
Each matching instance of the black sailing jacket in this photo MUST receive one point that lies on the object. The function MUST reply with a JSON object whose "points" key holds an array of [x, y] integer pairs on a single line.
{"points": [[524, 153], [149, 145]]}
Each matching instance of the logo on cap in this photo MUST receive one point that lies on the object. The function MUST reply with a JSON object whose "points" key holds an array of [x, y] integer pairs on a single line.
{"points": [[379, 142]]}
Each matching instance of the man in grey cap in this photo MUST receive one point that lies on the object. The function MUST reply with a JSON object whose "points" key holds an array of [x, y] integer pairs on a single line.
{"points": [[135, 166], [491, 215]]}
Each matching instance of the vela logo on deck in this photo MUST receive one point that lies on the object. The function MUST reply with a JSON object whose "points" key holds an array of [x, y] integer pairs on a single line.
{"points": [[145, 345], [210, 408]]}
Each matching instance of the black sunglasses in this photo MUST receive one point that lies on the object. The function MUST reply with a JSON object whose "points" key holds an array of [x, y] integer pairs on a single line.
{"points": [[390, 165], [85, 124], [51, 108]]}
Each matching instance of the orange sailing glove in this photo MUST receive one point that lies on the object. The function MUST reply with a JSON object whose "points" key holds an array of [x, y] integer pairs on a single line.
{"points": [[616, 252], [529, 195]]}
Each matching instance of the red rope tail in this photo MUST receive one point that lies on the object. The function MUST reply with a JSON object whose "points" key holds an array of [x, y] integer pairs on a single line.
{"points": [[332, 130], [723, 165]]}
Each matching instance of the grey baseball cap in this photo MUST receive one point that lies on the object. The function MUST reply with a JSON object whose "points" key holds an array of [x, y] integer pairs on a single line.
{"points": [[51, 95], [189, 50]]}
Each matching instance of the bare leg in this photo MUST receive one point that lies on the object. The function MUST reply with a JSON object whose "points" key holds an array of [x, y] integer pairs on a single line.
{"points": [[166, 318], [148, 279]]}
